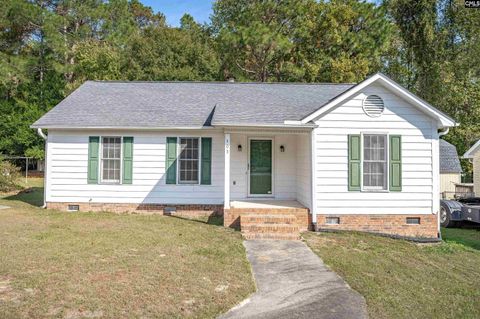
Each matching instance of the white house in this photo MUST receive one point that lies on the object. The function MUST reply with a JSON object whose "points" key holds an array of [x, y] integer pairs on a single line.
{"points": [[273, 158], [473, 155]]}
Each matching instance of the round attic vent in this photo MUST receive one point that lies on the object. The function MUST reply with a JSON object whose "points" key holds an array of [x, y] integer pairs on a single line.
{"points": [[373, 106]]}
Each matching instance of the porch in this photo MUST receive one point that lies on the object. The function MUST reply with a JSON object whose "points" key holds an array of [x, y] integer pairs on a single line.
{"points": [[267, 164], [268, 218], [268, 182], [265, 204]]}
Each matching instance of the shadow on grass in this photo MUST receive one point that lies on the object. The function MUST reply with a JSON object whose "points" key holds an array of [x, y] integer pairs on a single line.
{"points": [[32, 196], [463, 236], [210, 220]]}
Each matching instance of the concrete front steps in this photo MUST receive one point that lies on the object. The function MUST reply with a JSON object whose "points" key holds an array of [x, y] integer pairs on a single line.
{"points": [[269, 226]]}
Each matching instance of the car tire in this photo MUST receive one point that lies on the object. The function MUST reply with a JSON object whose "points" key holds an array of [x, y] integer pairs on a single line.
{"points": [[445, 216]]}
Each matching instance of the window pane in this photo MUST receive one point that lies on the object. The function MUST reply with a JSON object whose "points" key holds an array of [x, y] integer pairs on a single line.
{"points": [[111, 159], [189, 158], [374, 161]]}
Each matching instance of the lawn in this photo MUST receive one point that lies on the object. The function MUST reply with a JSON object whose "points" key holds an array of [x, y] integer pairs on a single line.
{"points": [[77, 265], [401, 279]]}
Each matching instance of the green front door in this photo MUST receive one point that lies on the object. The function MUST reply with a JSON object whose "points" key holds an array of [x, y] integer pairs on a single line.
{"points": [[260, 167]]}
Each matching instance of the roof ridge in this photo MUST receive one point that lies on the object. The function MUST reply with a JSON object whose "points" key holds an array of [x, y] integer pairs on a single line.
{"points": [[222, 82]]}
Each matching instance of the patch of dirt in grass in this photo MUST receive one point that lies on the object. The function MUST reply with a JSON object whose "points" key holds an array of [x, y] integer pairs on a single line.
{"points": [[7, 292], [221, 288], [77, 314]]}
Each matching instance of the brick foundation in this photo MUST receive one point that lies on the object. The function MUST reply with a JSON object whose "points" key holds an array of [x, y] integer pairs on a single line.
{"points": [[181, 210], [384, 224], [374, 223]]}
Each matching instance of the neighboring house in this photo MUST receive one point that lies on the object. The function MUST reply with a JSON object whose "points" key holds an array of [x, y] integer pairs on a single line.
{"points": [[473, 155], [273, 158], [450, 170]]}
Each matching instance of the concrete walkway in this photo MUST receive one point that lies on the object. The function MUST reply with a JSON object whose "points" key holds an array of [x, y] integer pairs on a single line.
{"points": [[293, 282]]}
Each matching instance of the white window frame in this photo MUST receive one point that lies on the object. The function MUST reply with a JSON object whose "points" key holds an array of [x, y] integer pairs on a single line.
{"points": [[387, 158], [179, 182], [106, 181]]}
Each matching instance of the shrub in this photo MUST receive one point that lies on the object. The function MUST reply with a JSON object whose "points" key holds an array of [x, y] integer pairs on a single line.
{"points": [[9, 175]]}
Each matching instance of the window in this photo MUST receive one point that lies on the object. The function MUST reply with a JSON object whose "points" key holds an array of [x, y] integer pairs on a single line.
{"points": [[189, 160], [375, 162], [111, 159], [413, 220]]}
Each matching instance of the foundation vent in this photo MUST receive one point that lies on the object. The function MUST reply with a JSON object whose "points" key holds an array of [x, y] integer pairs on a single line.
{"points": [[169, 210], [413, 220], [332, 220], [73, 208]]}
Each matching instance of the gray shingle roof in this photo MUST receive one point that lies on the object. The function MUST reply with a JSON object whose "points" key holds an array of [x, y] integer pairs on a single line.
{"points": [[187, 104], [449, 162]]}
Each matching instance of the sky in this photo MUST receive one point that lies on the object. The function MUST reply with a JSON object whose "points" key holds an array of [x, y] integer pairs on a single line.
{"points": [[175, 9]]}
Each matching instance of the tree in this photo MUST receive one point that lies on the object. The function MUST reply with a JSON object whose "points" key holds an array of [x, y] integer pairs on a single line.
{"points": [[256, 39], [348, 41], [439, 59], [162, 53]]}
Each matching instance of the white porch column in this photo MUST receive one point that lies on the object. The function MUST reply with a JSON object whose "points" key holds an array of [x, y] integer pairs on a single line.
{"points": [[226, 203]]}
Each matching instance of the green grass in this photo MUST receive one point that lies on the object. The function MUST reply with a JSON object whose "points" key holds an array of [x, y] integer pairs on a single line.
{"points": [[466, 237], [401, 279], [56, 264]]}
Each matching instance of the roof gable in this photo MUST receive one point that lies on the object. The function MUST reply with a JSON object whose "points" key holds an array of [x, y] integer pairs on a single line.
{"points": [[443, 119], [472, 150]]}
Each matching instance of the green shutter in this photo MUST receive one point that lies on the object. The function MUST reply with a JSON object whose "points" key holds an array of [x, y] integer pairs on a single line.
{"points": [[127, 160], [92, 170], [354, 163], [395, 163], [206, 178], [171, 160]]}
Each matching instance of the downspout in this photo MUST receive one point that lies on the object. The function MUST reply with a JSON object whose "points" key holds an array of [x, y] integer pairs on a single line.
{"points": [[42, 135], [440, 134], [313, 208]]}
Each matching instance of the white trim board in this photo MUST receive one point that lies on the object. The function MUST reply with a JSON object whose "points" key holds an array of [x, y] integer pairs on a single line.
{"points": [[443, 119]]}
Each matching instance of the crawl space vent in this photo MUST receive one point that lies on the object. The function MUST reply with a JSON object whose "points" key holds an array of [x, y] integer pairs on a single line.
{"points": [[373, 106], [73, 208]]}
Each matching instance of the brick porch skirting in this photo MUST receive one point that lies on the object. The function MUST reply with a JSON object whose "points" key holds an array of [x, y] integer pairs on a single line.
{"points": [[383, 224], [303, 219], [164, 209]]}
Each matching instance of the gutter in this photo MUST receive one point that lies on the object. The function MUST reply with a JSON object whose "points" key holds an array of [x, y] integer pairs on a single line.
{"points": [[286, 125], [124, 128], [42, 135]]}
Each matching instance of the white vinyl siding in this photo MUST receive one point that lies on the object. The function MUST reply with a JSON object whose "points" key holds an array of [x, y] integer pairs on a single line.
{"points": [[419, 141], [67, 171], [68, 157]]}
